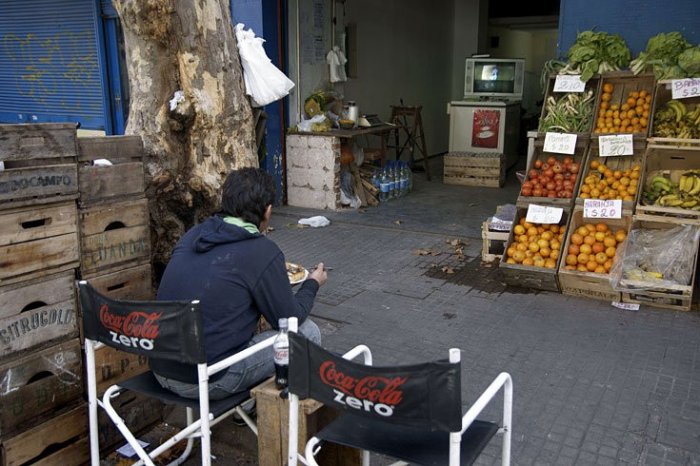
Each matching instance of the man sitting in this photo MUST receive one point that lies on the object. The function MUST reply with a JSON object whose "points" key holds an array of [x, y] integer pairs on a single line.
{"points": [[238, 275]]}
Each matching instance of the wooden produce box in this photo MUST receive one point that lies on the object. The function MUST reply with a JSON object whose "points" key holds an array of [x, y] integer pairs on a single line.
{"points": [[663, 94], [589, 284], [527, 276], [591, 86], [675, 297], [37, 312], [273, 427], [115, 234], [578, 157], [39, 383], [475, 169], [38, 241], [113, 366], [615, 163], [120, 283], [40, 164], [109, 183], [670, 162], [625, 82], [62, 440], [494, 243], [139, 413]]}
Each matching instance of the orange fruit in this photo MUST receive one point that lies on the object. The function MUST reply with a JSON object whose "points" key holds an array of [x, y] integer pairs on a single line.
{"points": [[528, 261], [510, 260], [554, 254], [589, 240], [571, 259], [591, 265], [594, 164], [574, 249], [510, 251], [608, 265], [532, 231], [534, 247], [590, 227], [555, 245], [597, 248], [519, 256], [570, 267], [543, 243], [585, 249], [576, 239], [582, 258], [555, 228], [545, 251], [620, 236], [601, 257], [601, 227], [599, 236], [610, 252], [550, 263], [581, 268], [519, 229], [608, 87], [600, 269], [538, 261], [609, 241]]}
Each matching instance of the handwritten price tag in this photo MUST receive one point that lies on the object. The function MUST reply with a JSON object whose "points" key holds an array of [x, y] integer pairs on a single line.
{"points": [[543, 214], [684, 88], [569, 83], [598, 208], [615, 144], [560, 143]]}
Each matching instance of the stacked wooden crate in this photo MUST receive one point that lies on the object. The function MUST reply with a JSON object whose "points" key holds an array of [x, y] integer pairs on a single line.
{"points": [[42, 415], [115, 258]]}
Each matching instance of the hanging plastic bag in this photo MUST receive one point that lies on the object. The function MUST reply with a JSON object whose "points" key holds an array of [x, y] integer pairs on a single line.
{"points": [[655, 258], [264, 82]]}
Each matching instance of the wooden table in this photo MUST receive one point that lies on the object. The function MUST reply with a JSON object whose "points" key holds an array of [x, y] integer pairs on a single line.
{"points": [[384, 132], [273, 428]]}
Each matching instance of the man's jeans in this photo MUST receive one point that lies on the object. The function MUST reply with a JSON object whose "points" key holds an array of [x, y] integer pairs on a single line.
{"points": [[245, 374]]}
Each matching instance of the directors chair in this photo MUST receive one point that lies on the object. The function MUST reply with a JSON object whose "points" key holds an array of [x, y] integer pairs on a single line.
{"points": [[412, 413], [169, 330]]}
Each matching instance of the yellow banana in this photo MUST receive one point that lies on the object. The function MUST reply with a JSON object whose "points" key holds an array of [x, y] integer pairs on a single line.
{"points": [[682, 184], [691, 203], [696, 186]]}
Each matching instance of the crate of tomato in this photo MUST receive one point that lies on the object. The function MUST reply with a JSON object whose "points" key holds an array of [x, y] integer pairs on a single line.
{"points": [[552, 179]]}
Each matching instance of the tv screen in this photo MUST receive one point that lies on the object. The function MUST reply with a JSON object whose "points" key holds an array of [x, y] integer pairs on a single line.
{"points": [[494, 77]]}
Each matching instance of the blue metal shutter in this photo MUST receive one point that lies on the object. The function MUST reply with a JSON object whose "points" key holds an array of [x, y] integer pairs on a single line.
{"points": [[49, 64]]}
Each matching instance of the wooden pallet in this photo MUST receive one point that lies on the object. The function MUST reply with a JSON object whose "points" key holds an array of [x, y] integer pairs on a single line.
{"points": [[494, 243], [474, 169]]}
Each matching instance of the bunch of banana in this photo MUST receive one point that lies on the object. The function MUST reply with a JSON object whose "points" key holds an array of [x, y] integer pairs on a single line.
{"points": [[663, 192], [677, 120]]}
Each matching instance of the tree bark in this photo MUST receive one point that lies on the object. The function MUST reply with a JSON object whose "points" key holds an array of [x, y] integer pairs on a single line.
{"points": [[188, 46]]}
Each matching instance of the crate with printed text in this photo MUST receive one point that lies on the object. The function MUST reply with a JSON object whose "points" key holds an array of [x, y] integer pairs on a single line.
{"points": [[40, 164]]}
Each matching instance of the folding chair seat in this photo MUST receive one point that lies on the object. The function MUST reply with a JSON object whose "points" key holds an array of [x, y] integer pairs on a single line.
{"points": [[412, 413], [169, 330]]}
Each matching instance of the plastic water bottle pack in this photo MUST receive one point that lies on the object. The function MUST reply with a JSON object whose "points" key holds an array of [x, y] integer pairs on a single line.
{"points": [[395, 180]]}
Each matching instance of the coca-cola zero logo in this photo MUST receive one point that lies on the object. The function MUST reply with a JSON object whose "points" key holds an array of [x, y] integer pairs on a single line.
{"points": [[136, 329], [380, 394]]}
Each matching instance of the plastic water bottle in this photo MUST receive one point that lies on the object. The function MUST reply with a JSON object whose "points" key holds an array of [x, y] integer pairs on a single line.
{"points": [[384, 186], [281, 349], [375, 179], [403, 174], [394, 181], [409, 176]]}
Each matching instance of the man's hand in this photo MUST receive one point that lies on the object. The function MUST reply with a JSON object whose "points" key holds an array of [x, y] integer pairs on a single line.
{"points": [[319, 274]]}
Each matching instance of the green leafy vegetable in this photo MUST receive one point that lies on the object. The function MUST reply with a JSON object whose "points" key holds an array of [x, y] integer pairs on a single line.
{"points": [[662, 55], [689, 61], [598, 52]]}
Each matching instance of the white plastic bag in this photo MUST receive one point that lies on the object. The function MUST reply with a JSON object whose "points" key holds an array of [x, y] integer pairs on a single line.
{"points": [[264, 82], [315, 222]]}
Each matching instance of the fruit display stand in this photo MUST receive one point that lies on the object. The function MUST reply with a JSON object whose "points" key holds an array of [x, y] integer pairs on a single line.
{"points": [[594, 282], [529, 192], [624, 166], [517, 273], [662, 194], [569, 112], [675, 122], [617, 92], [675, 297]]}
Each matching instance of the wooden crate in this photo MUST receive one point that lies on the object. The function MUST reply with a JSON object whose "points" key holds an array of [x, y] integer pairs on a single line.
{"points": [[623, 83], [675, 297], [115, 234], [273, 427], [38, 241], [670, 162], [39, 383], [40, 164], [37, 313], [589, 284], [579, 157], [113, 366], [124, 178], [61, 440], [474, 169], [591, 86], [120, 283], [662, 95], [139, 413], [525, 276], [494, 243], [621, 163]]}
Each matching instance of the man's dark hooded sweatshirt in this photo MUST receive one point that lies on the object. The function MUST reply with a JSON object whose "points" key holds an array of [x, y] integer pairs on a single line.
{"points": [[237, 276]]}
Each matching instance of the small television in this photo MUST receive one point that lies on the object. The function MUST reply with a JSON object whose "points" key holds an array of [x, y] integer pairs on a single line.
{"points": [[494, 78]]}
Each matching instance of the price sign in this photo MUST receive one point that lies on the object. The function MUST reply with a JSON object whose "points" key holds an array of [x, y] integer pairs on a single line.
{"points": [[569, 83], [543, 214], [684, 88], [615, 144], [626, 306], [560, 143], [599, 208]]}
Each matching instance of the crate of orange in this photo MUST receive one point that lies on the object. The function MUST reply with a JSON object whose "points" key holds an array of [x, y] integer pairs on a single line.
{"points": [[552, 179], [532, 253], [625, 103], [615, 177], [589, 251]]}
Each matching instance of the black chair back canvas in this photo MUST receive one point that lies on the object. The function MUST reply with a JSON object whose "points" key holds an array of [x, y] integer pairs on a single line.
{"points": [[421, 395], [157, 329]]}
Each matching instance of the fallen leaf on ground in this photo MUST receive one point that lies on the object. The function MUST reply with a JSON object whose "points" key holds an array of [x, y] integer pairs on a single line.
{"points": [[448, 270], [425, 252], [398, 222]]}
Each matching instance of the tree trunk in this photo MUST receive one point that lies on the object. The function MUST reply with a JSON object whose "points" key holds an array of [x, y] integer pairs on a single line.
{"points": [[188, 46]]}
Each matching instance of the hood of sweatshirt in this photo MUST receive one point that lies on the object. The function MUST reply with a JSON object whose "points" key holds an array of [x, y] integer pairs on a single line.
{"points": [[215, 231]]}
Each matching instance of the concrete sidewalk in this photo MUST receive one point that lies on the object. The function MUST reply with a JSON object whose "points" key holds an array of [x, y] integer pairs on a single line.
{"points": [[594, 385]]}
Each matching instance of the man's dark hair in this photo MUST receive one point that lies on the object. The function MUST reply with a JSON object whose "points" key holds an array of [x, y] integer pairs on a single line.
{"points": [[247, 193]]}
